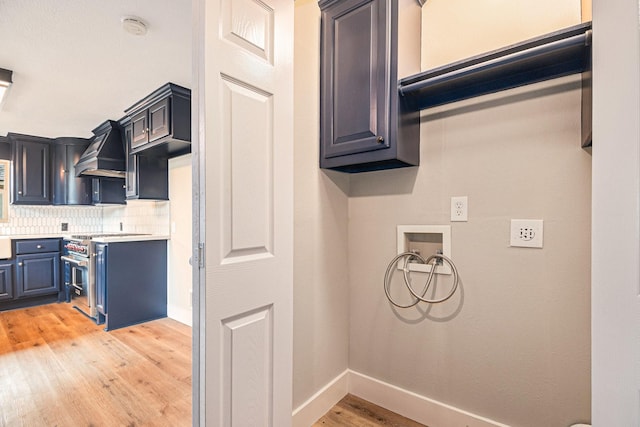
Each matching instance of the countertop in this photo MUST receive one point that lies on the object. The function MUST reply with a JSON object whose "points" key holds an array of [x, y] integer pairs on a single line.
{"points": [[109, 239], [130, 238], [33, 236]]}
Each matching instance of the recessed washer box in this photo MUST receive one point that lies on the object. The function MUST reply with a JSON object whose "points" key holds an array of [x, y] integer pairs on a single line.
{"points": [[427, 240]]}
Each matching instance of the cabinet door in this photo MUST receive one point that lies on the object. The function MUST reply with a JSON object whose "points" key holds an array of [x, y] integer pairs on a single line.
{"points": [[101, 278], [152, 177], [32, 166], [354, 103], [78, 188], [6, 281], [131, 177], [108, 191], [160, 119], [38, 274], [139, 129], [67, 188]]}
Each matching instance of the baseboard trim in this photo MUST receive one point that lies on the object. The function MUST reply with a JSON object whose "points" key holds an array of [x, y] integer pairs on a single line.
{"points": [[320, 403], [414, 406], [406, 403]]}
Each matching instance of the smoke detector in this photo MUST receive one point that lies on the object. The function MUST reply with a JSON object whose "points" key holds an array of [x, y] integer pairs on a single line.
{"points": [[134, 25]]}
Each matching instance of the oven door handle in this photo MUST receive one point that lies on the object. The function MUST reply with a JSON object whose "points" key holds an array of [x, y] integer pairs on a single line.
{"points": [[74, 261]]}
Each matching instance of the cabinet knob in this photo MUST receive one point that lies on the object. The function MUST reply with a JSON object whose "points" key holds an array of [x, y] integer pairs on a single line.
{"points": [[19, 192], [38, 246], [380, 140], [19, 264]]}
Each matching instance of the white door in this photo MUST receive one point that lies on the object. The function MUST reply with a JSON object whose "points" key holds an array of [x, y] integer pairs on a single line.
{"points": [[244, 109]]}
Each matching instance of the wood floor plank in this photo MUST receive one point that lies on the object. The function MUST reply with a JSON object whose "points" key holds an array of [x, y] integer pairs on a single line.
{"points": [[58, 368], [353, 411]]}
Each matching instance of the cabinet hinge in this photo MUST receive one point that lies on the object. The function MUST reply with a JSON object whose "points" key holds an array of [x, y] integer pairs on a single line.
{"points": [[201, 255]]}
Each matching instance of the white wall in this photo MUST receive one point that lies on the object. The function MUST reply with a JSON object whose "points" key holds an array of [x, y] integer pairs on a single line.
{"points": [[179, 274], [458, 29], [514, 344], [616, 177], [321, 291]]}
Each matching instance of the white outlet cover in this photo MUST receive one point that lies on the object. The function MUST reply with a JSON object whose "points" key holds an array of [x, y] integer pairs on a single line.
{"points": [[527, 233], [459, 209]]}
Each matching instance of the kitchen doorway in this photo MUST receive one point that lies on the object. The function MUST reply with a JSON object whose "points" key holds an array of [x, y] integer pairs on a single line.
{"points": [[179, 280]]}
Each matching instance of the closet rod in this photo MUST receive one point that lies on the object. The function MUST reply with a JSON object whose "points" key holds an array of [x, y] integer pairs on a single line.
{"points": [[550, 56]]}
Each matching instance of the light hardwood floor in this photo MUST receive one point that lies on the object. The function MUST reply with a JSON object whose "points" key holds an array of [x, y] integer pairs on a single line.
{"points": [[352, 411], [57, 368]]}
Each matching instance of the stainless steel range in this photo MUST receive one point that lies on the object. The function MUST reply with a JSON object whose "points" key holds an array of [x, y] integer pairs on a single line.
{"points": [[78, 255]]}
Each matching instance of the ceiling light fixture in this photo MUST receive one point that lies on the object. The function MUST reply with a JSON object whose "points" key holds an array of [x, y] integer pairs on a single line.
{"points": [[134, 25], [5, 81]]}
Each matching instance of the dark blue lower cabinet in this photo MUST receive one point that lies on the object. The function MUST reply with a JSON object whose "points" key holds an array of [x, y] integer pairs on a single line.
{"points": [[6, 281], [38, 274], [131, 282], [101, 278]]}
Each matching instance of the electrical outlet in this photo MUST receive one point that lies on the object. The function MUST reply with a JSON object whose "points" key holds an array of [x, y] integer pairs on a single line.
{"points": [[459, 208], [526, 233], [65, 226]]}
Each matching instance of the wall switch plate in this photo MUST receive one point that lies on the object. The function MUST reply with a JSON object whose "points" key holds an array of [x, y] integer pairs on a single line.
{"points": [[526, 233], [459, 209]]}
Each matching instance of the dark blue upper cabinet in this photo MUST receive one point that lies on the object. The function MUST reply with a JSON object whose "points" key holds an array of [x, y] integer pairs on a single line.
{"points": [[32, 169], [147, 175], [67, 188], [161, 122], [364, 124], [108, 191]]}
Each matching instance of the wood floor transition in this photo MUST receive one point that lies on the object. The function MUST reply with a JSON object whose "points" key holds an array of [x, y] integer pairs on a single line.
{"points": [[352, 411], [57, 368]]}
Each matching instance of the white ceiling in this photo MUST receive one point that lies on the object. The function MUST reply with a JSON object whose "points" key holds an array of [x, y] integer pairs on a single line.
{"points": [[74, 66]]}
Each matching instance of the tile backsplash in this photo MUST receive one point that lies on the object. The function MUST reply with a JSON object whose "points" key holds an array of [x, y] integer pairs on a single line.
{"points": [[136, 217]]}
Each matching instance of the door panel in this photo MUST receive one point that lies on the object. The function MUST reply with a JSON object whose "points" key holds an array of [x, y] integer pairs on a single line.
{"points": [[249, 24], [159, 123], [244, 106], [248, 171], [139, 130], [248, 352]]}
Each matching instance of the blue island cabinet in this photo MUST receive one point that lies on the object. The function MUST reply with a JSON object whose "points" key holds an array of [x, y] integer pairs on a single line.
{"points": [[131, 282]]}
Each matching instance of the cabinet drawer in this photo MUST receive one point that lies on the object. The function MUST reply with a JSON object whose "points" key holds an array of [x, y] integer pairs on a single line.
{"points": [[37, 246]]}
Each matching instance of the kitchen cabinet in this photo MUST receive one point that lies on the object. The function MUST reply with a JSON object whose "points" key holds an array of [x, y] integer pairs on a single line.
{"points": [[151, 175], [5, 148], [37, 267], [364, 124], [147, 177], [33, 276], [67, 188], [31, 157], [131, 282], [108, 191], [101, 279], [161, 122], [6, 280]]}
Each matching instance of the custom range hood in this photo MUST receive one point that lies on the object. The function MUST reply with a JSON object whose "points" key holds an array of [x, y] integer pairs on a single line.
{"points": [[105, 155]]}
